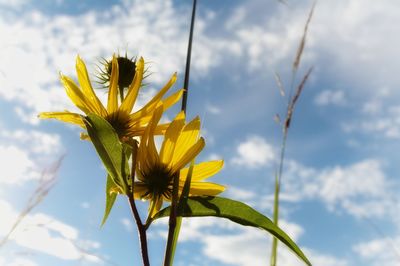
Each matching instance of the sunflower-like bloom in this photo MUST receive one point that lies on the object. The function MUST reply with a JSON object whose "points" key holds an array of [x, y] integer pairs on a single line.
{"points": [[156, 171], [119, 115]]}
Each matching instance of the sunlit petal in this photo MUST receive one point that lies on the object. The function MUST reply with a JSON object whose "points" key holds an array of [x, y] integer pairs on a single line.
{"points": [[202, 170], [76, 95], [133, 90], [151, 104], [87, 88], [171, 100], [139, 190], [65, 117], [155, 205], [205, 189], [190, 154], [112, 103], [170, 138], [187, 138]]}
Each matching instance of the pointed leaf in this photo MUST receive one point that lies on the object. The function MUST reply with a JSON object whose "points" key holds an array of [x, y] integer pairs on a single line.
{"points": [[237, 212], [110, 149], [111, 196]]}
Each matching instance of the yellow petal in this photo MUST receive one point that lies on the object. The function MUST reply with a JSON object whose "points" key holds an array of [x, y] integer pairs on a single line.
{"points": [[152, 150], [170, 138], [139, 190], [147, 153], [112, 104], [87, 88], [155, 205], [204, 189], [66, 116], [171, 100], [153, 102], [161, 129], [149, 107], [190, 154], [187, 138], [202, 170], [133, 90], [76, 95]]}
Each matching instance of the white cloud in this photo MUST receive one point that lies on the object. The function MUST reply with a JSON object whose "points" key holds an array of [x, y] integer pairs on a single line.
{"points": [[214, 157], [56, 238], [16, 166], [252, 244], [212, 109], [330, 97], [14, 4], [254, 152], [27, 156], [382, 251], [376, 118], [360, 189], [85, 205], [39, 142], [255, 248], [37, 46], [240, 194], [17, 262], [267, 36], [127, 224], [361, 179]]}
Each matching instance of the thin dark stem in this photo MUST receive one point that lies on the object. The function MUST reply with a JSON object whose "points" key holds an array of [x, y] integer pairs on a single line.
{"points": [[141, 230], [173, 229], [188, 57], [140, 226]]}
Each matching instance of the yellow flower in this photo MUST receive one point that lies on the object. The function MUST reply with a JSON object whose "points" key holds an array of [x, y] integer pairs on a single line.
{"points": [[119, 115], [156, 171]]}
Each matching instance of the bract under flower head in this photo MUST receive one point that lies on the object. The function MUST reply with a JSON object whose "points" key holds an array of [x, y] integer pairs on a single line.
{"points": [[156, 170], [118, 114]]}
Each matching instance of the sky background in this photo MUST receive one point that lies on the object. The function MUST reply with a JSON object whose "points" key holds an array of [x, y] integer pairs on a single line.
{"points": [[340, 199]]}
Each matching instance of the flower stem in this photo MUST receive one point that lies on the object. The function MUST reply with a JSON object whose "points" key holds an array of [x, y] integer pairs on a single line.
{"points": [[140, 226], [278, 178], [174, 225], [174, 221], [188, 58], [141, 230]]}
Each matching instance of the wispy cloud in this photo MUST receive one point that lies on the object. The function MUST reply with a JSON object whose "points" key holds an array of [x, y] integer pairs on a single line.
{"points": [[250, 243], [56, 238], [330, 97], [37, 46]]}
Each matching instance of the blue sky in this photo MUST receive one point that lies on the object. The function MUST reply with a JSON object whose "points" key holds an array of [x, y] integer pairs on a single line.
{"points": [[340, 199]]}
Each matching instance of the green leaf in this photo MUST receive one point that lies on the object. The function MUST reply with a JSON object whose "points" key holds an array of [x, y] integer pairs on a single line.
{"points": [[111, 196], [237, 212], [110, 149]]}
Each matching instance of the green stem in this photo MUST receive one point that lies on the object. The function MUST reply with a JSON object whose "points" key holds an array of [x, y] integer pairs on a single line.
{"points": [[174, 221], [278, 178], [174, 225]]}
